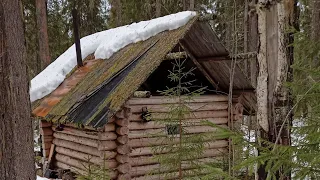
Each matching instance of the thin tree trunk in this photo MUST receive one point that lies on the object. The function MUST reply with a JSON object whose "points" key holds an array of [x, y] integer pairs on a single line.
{"points": [[184, 4], [315, 23], [158, 8], [262, 83], [41, 11], [16, 134], [253, 42], [245, 34], [191, 8], [118, 13]]}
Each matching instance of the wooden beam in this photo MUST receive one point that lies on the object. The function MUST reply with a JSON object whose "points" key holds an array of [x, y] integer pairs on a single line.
{"points": [[202, 70], [240, 56], [77, 36], [176, 55]]}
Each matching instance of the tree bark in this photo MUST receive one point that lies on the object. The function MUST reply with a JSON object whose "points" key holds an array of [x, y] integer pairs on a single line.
{"points": [[272, 96], [41, 11], [118, 13], [158, 8], [191, 8], [184, 4], [315, 22], [16, 144]]}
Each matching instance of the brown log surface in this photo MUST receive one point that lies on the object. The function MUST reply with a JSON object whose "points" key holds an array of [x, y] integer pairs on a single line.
{"points": [[164, 100], [85, 149], [141, 151]]}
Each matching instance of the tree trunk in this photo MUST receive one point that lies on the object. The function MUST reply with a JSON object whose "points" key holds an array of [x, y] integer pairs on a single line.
{"points": [[16, 144], [184, 4], [191, 8], [253, 41], [274, 62], [158, 8], [41, 11], [118, 13], [315, 23]]}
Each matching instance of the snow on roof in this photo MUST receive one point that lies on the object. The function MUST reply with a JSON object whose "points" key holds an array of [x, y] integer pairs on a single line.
{"points": [[103, 44]]}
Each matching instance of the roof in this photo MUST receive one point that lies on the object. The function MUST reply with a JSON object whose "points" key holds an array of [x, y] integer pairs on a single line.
{"points": [[96, 91]]}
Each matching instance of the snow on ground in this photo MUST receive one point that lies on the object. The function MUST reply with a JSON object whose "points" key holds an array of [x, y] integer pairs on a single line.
{"points": [[103, 45], [41, 178]]}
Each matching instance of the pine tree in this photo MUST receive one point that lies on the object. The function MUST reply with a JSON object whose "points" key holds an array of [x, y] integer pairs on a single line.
{"points": [[16, 144]]}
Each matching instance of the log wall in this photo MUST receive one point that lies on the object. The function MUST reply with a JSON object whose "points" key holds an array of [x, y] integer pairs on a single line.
{"points": [[124, 144], [46, 137], [79, 149], [145, 134]]}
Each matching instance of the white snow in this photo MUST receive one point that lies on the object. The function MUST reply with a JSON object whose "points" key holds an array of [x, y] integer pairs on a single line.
{"points": [[41, 178], [103, 44]]}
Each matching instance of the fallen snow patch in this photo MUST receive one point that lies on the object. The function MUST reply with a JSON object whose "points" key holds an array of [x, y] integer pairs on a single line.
{"points": [[41, 178], [103, 44]]}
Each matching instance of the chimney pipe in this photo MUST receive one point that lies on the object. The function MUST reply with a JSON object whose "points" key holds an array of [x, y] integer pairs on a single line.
{"points": [[77, 36]]}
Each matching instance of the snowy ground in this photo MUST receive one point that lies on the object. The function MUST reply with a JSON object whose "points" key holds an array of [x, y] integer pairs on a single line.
{"points": [[103, 44], [41, 178]]}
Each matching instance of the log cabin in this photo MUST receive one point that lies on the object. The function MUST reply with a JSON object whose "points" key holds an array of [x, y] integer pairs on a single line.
{"points": [[95, 117]]}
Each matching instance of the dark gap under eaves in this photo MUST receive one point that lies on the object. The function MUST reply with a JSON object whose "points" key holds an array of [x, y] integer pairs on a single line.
{"points": [[159, 80]]}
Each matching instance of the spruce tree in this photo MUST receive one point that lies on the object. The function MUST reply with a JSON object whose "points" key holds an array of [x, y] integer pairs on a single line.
{"points": [[181, 149]]}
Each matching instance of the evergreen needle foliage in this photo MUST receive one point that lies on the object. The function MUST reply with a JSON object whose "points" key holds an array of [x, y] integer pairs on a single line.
{"points": [[182, 149], [95, 172]]}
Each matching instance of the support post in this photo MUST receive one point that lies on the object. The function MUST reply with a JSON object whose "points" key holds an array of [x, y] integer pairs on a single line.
{"points": [[77, 36]]}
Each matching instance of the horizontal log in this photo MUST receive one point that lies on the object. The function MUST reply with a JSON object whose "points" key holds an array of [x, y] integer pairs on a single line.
{"points": [[126, 176], [111, 120], [193, 115], [122, 122], [123, 139], [176, 55], [112, 174], [46, 131], [122, 130], [190, 173], [72, 162], [124, 168], [211, 106], [157, 168], [147, 160], [159, 132], [107, 136], [44, 124], [64, 166], [109, 127], [76, 126], [122, 158], [165, 100], [120, 114], [85, 149], [142, 151], [86, 157], [106, 145], [88, 134], [123, 149], [159, 124], [77, 139], [143, 133], [48, 138], [148, 142]]}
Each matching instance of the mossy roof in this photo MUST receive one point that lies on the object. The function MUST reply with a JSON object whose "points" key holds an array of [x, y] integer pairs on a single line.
{"points": [[75, 102]]}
